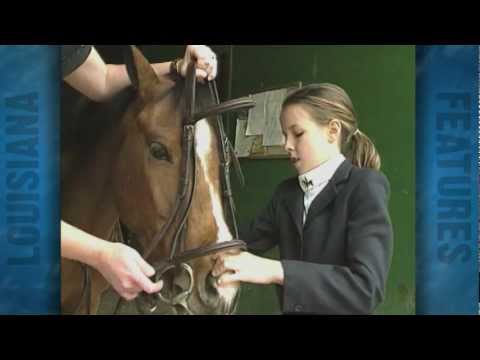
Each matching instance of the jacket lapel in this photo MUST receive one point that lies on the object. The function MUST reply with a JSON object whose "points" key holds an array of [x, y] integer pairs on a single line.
{"points": [[329, 193], [293, 201]]}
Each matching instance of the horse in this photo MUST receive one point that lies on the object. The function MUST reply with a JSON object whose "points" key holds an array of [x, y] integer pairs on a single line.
{"points": [[150, 169]]}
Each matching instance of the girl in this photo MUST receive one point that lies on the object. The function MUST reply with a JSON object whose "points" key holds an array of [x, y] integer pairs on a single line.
{"points": [[331, 223]]}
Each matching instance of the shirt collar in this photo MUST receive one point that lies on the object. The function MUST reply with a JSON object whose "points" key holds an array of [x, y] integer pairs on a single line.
{"points": [[321, 174]]}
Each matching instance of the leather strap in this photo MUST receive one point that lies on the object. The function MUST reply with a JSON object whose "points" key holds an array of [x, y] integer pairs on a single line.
{"points": [[209, 250]]}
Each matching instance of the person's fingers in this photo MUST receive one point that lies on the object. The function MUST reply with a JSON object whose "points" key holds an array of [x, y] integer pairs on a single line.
{"points": [[214, 72], [130, 289], [202, 64], [212, 64], [228, 278], [129, 296], [210, 67], [230, 263], [205, 59], [145, 284], [221, 264], [195, 53], [225, 264], [218, 268], [201, 52], [127, 289], [201, 75], [147, 269], [141, 277], [209, 71], [157, 287]]}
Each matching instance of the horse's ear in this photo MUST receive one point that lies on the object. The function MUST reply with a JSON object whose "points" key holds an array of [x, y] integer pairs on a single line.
{"points": [[139, 70]]}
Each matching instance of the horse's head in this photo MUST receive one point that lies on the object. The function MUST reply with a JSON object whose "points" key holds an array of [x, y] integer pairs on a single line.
{"points": [[148, 181]]}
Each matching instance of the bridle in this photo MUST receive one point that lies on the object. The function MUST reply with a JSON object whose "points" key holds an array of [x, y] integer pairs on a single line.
{"points": [[178, 258]]}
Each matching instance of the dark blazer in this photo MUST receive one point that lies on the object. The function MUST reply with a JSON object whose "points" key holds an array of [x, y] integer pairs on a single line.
{"points": [[337, 263]]}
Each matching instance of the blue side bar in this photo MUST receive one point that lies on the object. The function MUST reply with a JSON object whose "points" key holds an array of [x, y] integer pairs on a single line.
{"points": [[29, 180], [447, 179]]}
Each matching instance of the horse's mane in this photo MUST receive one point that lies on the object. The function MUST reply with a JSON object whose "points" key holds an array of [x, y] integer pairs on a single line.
{"points": [[83, 120], [84, 123]]}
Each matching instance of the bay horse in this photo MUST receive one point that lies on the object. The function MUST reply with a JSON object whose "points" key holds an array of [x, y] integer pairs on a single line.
{"points": [[150, 169]]}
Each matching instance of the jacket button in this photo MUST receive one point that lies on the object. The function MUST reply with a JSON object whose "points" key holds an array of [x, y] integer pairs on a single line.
{"points": [[298, 308]]}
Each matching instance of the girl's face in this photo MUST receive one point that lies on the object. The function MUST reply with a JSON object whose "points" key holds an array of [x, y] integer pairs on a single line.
{"points": [[308, 144]]}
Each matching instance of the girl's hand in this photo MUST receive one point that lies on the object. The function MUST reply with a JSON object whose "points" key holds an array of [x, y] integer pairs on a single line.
{"points": [[245, 267]]}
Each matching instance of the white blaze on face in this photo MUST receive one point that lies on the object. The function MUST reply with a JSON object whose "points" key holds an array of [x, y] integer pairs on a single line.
{"points": [[203, 138]]}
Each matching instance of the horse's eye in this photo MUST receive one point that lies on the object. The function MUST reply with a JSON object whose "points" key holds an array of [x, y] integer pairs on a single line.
{"points": [[159, 151]]}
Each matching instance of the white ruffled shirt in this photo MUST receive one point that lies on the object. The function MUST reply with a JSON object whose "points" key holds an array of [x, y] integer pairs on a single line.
{"points": [[314, 181]]}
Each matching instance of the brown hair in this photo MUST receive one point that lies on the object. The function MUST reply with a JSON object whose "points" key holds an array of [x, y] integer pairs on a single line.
{"points": [[325, 102]]}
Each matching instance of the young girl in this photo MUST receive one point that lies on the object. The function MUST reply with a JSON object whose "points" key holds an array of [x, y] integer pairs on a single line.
{"points": [[331, 223]]}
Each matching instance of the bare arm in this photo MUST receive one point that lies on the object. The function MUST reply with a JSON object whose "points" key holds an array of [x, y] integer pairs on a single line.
{"points": [[81, 246], [99, 81], [121, 265]]}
